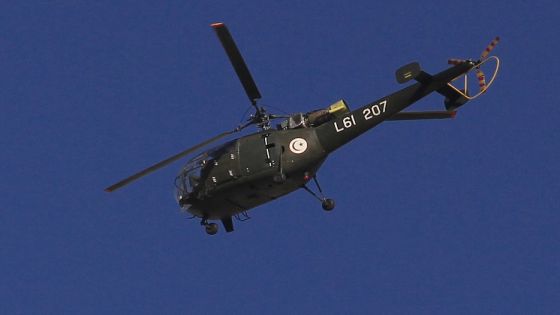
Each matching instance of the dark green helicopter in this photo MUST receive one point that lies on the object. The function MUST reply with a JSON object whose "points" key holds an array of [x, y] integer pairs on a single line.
{"points": [[226, 181]]}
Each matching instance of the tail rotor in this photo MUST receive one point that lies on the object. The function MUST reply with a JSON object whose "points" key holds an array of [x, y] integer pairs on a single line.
{"points": [[481, 80], [481, 77], [483, 57]]}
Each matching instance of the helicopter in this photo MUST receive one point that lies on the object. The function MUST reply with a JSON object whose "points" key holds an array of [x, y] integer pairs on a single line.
{"points": [[226, 181]]}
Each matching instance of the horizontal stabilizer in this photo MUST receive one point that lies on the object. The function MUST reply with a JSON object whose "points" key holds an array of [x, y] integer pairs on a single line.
{"points": [[422, 115], [408, 72]]}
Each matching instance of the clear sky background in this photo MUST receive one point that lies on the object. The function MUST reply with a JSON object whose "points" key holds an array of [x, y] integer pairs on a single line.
{"points": [[437, 217]]}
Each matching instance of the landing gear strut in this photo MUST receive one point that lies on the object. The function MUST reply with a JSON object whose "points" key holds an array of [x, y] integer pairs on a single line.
{"points": [[327, 203], [211, 228]]}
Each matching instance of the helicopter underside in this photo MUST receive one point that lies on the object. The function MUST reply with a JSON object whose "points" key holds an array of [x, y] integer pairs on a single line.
{"points": [[229, 180], [236, 199]]}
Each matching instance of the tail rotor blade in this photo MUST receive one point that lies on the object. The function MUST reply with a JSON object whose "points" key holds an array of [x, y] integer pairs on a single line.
{"points": [[481, 80], [455, 61], [489, 48], [237, 61]]}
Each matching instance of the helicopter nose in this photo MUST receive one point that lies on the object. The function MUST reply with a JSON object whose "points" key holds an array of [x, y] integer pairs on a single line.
{"points": [[183, 201]]}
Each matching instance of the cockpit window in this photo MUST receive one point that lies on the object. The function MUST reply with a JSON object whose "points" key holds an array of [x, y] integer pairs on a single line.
{"points": [[188, 179], [192, 176]]}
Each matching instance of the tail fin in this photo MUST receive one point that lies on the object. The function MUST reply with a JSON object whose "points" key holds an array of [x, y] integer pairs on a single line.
{"points": [[453, 98]]}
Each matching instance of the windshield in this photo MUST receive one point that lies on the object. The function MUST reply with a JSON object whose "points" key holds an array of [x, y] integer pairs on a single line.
{"points": [[191, 178]]}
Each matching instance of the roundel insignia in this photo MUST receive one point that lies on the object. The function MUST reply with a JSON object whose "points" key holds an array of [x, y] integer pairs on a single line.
{"points": [[298, 145]]}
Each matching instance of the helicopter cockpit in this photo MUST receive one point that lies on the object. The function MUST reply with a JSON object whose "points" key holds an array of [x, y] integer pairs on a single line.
{"points": [[189, 177], [200, 175]]}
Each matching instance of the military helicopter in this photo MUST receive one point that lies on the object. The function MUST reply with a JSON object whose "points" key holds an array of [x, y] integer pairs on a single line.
{"points": [[226, 181]]}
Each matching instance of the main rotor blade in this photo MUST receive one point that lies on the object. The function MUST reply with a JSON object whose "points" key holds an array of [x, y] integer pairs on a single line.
{"points": [[237, 61], [165, 162]]}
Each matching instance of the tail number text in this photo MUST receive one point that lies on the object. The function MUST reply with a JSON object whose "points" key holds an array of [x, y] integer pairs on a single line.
{"points": [[368, 112], [374, 110]]}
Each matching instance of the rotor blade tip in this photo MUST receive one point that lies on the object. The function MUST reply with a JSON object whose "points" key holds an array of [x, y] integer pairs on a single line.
{"points": [[216, 25]]}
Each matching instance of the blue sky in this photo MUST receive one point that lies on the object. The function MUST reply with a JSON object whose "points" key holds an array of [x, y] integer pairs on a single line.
{"points": [[441, 217]]}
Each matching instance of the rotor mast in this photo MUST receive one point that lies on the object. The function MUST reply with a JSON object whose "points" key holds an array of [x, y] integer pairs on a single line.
{"points": [[260, 117]]}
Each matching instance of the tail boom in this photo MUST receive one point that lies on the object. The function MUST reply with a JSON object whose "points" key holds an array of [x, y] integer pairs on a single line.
{"points": [[340, 131]]}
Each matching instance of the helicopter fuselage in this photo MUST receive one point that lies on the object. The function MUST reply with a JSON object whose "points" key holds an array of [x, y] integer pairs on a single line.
{"points": [[261, 167], [249, 171]]}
